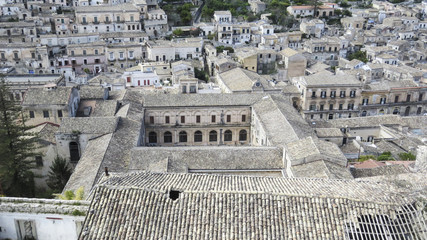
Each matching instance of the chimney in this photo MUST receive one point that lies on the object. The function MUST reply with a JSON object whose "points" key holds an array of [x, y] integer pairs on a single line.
{"points": [[106, 172]]}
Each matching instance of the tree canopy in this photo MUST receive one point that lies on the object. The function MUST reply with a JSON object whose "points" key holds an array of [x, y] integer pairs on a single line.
{"points": [[16, 148], [59, 174]]}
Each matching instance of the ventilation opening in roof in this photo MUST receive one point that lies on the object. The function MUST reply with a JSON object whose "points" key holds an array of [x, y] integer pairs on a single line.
{"points": [[174, 195]]}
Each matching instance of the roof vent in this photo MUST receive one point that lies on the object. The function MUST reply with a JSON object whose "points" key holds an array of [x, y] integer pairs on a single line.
{"points": [[174, 195]]}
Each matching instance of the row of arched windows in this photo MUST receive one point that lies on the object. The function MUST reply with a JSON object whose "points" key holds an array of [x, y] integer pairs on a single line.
{"points": [[198, 136]]}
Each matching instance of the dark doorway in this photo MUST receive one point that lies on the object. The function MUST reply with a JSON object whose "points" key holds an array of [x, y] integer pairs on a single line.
{"points": [[74, 152]]}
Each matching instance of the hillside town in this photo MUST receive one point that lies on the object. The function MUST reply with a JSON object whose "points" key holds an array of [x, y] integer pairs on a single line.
{"points": [[213, 119]]}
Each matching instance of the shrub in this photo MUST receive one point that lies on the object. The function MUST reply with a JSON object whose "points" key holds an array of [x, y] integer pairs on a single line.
{"points": [[406, 156], [366, 157], [385, 156]]}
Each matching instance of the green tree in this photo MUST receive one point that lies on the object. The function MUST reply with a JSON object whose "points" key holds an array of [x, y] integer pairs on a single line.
{"points": [[385, 156], [406, 156], [178, 32], [59, 174], [16, 148], [358, 55]]}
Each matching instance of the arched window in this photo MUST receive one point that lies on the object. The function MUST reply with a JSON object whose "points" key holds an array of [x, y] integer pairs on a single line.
{"points": [[152, 137], [407, 110], [228, 136], [182, 136], [396, 111], [381, 112], [74, 152], [213, 136], [243, 135], [167, 137], [198, 136]]}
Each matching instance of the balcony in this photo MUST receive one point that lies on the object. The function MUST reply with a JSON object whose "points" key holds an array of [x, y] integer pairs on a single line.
{"points": [[107, 21], [96, 22], [84, 23], [111, 59]]}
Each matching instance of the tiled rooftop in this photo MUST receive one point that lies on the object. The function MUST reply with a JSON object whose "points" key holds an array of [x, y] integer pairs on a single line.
{"points": [[191, 206]]}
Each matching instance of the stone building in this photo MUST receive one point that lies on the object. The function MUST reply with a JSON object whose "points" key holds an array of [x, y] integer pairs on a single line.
{"points": [[24, 57], [46, 152], [197, 120], [255, 60], [123, 55], [293, 62], [74, 134], [329, 96], [156, 23], [404, 98], [106, 18], [50, 104], [19, 84], [161, 50], [86, 58]]}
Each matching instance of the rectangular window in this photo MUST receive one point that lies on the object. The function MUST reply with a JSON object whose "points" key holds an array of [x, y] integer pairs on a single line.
{"points": [[198, 119], [46, 114], [39, 161], [352, 94], [333, 93], [350, 106], [321, 107], [130, 54], [323, 94], [151, 120], [121, 55], [408, 97], [60, 113], [182, 119], [340, 106], [228, 118], [365, 101], [313, 94], [331, 106], [243, 118], [213, 118], [342, 94], [95, 19], [382, 100], [420, 97], [96, 51], [396, 99], [31, 114], [167, 119], [312, 107]]}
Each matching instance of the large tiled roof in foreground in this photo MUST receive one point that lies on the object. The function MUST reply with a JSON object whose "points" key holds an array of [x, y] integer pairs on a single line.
{"points": [[146, 206]]}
